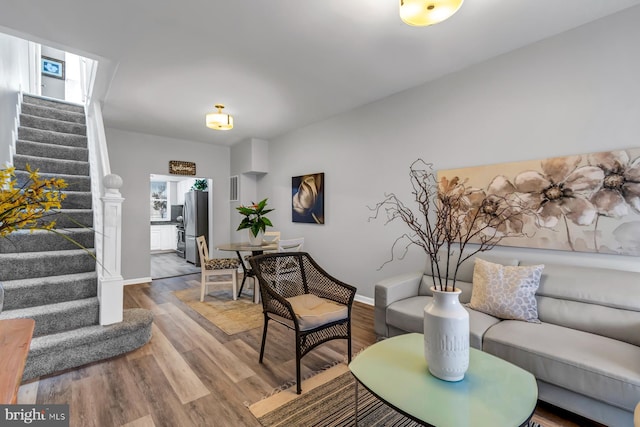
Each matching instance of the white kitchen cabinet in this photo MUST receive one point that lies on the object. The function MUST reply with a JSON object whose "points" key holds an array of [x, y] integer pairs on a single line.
{"points": [[164, 237]]}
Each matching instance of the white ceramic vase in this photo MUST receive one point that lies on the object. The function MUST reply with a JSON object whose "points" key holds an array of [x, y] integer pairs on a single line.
{"points": [[255, 240], [446, 336]]}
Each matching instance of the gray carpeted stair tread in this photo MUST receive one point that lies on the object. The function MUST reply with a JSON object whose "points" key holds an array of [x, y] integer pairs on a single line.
{"points": [[48, 263], [52, 113], [37, 240], [58, 317], [77, 200], [51, 137], [52, 103], [69, 218], [52, 124], [54, 151], [74, 182], [25, 293], [57, 352], [55, 166]]}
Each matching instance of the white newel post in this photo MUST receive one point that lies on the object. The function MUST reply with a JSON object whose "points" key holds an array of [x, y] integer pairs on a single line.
{"points": [[110, 282]]}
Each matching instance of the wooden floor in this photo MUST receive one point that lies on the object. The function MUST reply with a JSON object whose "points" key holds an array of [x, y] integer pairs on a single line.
{"points": [[169, 264], [193, 374]]}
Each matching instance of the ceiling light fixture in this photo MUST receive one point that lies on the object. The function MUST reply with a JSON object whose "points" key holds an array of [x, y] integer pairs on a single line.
{"points": [[219, 120], [421, 13]]}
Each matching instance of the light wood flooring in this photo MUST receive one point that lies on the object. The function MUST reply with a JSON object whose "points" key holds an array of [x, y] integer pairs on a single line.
{"points": [[193, 374], [169, 264]]}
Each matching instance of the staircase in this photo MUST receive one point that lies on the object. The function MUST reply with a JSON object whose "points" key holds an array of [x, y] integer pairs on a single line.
{"points": [[45, 276]]}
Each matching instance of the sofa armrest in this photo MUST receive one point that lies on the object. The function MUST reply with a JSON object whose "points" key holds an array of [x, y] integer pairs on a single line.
{"points": [[389, 291]]}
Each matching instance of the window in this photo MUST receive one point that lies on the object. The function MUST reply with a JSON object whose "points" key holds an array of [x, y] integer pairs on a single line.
{"points": [[159, 201]]}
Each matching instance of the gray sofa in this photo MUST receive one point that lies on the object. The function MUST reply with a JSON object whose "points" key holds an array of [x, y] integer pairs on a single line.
{"points": [[585, 353]]}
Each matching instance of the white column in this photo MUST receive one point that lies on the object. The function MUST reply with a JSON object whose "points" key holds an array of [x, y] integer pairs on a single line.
{"points": [[110, 282]]}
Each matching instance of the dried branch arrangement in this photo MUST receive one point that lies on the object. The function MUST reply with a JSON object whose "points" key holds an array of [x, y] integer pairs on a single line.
{"points": [[450, 216]]}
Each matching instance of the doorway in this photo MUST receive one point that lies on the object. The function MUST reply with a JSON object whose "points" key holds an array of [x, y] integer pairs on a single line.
{"points": [[171, 245]]}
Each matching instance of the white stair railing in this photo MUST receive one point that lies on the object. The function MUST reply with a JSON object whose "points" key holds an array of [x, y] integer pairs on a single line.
{"points": [[107, 214]]}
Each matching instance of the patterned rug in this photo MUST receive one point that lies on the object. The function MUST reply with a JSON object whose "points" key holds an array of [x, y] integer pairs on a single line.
{"points": [[328, 400], [220, 309]]}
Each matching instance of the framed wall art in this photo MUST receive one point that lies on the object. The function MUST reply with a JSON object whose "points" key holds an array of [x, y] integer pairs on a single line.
{"points": [[307, 198], [581, 203], [52, 67], [179, 167]]}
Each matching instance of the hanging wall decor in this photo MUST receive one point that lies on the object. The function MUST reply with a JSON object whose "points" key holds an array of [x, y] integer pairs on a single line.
{"points": [[179, 167], [52, 67], [307, 198], [581, 203]]}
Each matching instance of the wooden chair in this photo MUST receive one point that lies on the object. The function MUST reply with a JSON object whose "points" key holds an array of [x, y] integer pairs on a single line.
{"points": [[306, 299], [291, 245], [271, 237], [213, 268]]}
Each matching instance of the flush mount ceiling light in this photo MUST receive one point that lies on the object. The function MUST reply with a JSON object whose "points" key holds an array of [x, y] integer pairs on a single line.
{"points": [[219, 120], [421, 13]]}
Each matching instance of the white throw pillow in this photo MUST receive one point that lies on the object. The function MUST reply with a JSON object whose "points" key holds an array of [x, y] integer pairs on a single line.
{"points": [[506, 292]]}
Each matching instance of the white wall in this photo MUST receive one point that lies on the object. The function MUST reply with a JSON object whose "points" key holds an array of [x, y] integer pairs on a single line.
{"points": [[14, 74], [248, 164], [134, 156], [575, 93]]}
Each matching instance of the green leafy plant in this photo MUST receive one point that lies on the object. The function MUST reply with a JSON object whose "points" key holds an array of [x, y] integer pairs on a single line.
{"points": [[254, 218], [200, 185]]}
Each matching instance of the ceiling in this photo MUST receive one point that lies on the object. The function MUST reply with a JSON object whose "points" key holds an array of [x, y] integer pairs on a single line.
{"points": [[279, 64]]}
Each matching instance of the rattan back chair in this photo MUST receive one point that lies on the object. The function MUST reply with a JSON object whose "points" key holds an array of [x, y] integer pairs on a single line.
{"points": [[304, 298]]}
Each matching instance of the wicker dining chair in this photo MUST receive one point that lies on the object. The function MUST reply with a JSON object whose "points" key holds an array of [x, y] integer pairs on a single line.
{"points": [[305, 299]]}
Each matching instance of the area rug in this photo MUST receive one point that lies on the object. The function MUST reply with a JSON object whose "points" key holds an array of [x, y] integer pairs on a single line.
{"points": [[328, 400], [220, 309]]}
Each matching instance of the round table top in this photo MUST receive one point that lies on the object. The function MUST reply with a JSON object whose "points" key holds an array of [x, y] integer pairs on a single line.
{"points": [[247, 247], [493, 392]]}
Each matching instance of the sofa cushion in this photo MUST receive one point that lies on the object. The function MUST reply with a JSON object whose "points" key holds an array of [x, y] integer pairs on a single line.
{"points": [[596, 366], [597, 300], [506, 292], [408, 315]]}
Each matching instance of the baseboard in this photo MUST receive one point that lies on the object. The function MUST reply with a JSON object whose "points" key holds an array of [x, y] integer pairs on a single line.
{"points": [[137, 281], [364, 300]]}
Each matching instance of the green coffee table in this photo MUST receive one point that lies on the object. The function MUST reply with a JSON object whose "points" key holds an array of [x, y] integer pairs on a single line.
{"points": [[493, 392]]}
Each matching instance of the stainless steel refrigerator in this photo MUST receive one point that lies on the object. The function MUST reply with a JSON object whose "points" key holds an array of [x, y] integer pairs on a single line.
{"points": [[196, 223]]}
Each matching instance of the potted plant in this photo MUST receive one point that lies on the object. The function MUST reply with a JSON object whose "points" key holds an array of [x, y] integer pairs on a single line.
{"points": [[255, 220], [457, 222], [23, 206], [200, 185]]}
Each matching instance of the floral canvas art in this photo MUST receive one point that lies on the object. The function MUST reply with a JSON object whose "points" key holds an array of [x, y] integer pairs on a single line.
{"points": [[307, 198], [582, 203]]}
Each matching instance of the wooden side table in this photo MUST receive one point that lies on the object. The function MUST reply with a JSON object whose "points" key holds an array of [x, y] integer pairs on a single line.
{"points": [[15, 338]]}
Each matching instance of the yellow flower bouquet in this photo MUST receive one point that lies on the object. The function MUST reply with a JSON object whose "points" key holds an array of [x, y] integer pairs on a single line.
{"points": [[21, 206]]}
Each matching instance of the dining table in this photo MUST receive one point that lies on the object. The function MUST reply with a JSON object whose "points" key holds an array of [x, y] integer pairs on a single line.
{"points": [[247, 247]]}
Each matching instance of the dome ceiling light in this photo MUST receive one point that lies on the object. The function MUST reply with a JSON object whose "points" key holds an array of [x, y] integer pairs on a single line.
{"points": [[420, 13], [219, 120]]}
